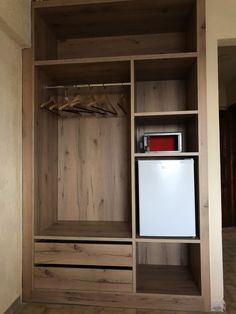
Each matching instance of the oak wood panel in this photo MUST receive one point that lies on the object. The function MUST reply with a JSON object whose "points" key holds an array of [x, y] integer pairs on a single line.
{"points": [[132, 164], [192, 88], [194, 258], [93, 184], [27, 173], [121, 45], [89, 229], [203, 179], [129, 300], [45, 43], [83, 254], [118, 18], [83, 279], [60, 3], [163, 254], [166, 280], [167, 240], [164, 56], [161, 96], [46, 159]]}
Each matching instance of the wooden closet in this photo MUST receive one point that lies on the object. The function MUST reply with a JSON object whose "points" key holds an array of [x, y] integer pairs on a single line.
{"points": [[80, 196]]}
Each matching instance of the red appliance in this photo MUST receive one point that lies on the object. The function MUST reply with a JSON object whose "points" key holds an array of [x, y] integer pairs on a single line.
{"points": [[160, 142]]}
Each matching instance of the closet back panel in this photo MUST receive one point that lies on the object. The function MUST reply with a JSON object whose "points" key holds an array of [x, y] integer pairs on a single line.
{"points": [[94, 169]]}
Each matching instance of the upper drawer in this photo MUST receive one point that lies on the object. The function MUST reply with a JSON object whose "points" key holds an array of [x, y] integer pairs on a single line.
{"points": [[83, 254]]}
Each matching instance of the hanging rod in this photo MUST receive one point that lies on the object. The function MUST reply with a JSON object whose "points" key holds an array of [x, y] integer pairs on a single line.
{"points": [[87, 85]]}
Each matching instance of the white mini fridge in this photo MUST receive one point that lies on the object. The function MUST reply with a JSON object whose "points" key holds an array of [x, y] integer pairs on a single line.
{"points": [[166, 198]]}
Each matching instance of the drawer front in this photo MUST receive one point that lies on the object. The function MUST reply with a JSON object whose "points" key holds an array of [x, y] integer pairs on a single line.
{"points": [[83, 254], [89, 279]]}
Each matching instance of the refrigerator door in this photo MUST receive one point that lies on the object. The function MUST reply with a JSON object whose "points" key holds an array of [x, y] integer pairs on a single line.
{"points": [[167, 198]]}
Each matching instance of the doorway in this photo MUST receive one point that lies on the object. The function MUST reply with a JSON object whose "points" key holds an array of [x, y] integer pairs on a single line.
{"points": [[227, 114]]}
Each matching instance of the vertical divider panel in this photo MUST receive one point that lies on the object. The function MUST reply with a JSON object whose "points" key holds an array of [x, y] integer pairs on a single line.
{"points": [[203, 180], [27, 173], [133, 199]]}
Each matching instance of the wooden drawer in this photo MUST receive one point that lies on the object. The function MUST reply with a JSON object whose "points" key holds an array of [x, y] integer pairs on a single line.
{"points": [[83, 279], [83, 254]]}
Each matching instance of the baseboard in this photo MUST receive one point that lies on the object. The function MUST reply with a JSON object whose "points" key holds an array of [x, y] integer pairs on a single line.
{"points": [[16, 305]]}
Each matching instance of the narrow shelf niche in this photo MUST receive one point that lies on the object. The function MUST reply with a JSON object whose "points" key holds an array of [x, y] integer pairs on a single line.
{"points": [[168, 268], [81, 190], [118, 28], [164, 85]]}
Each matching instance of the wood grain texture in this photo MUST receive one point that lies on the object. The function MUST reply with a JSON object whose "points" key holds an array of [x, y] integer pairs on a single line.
{"points": [[161, 96], [203, 179], [118, 18], [46, 159], [132, 164], [45, 44], [163, 56], [27, 172], [83, 254], [82, 279], [81, 309], [229, 255], [127, 300], [166, 280], [121, 45], [175, 254], [93, 230], [94, 169]]}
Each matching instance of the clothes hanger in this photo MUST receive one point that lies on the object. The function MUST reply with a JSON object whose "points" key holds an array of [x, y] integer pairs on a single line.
{"points": [[51, 100]]}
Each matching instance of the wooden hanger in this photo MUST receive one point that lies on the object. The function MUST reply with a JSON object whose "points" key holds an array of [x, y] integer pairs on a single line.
{"points": [[51, 100]]}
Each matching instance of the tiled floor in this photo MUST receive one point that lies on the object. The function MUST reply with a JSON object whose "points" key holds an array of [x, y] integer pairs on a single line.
{"points": [[229, 239]]}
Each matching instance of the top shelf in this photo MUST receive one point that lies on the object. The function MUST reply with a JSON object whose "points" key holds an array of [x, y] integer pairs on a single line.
{"points": [[113, 28]]}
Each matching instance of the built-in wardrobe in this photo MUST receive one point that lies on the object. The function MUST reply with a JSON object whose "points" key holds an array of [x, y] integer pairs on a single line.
{"points": [[99, 76]]}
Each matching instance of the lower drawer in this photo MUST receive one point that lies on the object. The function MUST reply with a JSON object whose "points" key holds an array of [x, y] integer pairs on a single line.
{"points": [[83, 279], [83, 254]]}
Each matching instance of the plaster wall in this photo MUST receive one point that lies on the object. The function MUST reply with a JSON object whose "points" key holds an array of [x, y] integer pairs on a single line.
{"points": [[14, 35]]}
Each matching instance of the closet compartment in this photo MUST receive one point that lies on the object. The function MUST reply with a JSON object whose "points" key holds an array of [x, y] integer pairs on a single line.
{"points": [[166, 85], [168, 268], [114, 29], [83, 185]]}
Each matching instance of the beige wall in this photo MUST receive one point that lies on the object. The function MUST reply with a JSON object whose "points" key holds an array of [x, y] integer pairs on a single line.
{"points": [[221, 28], [14, 35]]}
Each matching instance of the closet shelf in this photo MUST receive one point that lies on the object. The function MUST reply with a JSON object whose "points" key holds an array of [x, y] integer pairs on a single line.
{"points": [[166, 118], [159, 56], [166, 279], [167, 240], [91, 230], [166, 154]]}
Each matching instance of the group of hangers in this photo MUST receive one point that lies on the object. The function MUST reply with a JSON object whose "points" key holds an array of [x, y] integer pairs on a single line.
{"points": [[86, 104]]}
